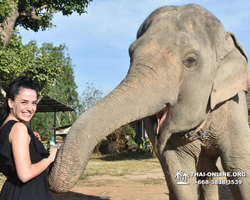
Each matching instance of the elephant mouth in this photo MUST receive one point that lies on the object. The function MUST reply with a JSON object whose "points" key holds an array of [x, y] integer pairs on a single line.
{"points": [[161, 117]]}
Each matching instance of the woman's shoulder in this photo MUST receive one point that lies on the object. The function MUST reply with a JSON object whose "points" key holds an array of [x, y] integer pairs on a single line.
{"points": [[7, 127], [19, 127], [13, 124], [18, 133], [8, 123]]}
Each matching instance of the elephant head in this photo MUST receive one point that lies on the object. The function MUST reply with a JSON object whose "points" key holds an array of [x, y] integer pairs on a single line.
{"points": [[183, 64]]}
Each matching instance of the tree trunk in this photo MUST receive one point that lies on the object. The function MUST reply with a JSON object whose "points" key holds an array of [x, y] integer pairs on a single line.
{"points": [[7, 27]]}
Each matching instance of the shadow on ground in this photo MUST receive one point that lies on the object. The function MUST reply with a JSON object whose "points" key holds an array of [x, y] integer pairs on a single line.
{"points": [[77, 196]]}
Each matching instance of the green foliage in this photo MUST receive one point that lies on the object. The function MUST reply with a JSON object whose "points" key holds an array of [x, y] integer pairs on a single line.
{"points": [[43, 124], [64, 90], [38, 14], [17, 59], [41, 12], [5, 9], [129, 131], [113, 143], [147, 147], [121, 140], [35, 15], [103, 147]]}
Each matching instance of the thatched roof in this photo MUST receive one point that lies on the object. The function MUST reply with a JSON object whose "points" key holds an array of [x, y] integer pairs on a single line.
{"points": [[48, 104]]}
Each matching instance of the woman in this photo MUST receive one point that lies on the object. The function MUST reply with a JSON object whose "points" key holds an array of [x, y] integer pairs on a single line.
{"points": [[23, 158]]}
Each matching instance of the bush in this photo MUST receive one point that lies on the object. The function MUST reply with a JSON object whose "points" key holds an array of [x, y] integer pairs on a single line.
{"points": [[147, 147], [102, 147], [121, 140]]}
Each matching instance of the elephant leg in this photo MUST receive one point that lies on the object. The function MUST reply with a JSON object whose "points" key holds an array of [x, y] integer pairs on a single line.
{"points": [[236, 161], [207, 163], [173, 162], [209, 192], [239, 181]]}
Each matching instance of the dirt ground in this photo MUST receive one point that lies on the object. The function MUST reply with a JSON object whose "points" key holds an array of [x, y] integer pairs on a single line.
{"points": [[123, 180], [127, 187]]}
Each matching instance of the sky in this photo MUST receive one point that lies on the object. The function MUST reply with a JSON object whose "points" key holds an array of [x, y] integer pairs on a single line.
{"points": [[98, 41]]}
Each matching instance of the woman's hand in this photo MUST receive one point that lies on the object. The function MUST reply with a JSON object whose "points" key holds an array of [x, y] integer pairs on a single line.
{"points": [[53, 153], [37, 135]]}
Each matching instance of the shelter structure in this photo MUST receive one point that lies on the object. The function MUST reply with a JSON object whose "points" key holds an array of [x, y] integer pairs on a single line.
{"points": [[63, 130], [48, 104]]}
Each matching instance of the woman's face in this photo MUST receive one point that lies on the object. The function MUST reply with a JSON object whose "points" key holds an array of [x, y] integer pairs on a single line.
{"points": [[24, 105]]}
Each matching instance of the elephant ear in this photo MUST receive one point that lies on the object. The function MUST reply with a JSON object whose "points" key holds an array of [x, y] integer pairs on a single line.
{"points": [[233, 73]]}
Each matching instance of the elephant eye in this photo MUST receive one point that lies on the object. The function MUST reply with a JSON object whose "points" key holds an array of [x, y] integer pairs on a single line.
{"points": [[189, 62]]}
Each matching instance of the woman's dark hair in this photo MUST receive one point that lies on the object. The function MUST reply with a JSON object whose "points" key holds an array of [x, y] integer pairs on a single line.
{"points": [[12, 91]]}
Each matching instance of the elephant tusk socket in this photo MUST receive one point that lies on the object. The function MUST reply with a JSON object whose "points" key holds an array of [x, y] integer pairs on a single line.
{"points": [[161, 116]]}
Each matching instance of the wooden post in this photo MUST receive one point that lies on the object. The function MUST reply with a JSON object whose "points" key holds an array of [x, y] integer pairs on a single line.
{"points": [[55, 125]]}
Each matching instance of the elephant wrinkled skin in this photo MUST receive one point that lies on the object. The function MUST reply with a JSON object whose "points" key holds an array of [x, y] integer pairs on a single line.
{"points": [[188, 80]]}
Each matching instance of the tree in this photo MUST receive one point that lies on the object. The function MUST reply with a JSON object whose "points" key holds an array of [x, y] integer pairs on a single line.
{"points": [[64, 90], [43, 123], [35, 14], [17, 59], [90, 96]]}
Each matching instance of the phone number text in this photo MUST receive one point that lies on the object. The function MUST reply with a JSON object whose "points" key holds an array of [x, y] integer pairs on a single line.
{"points": [[219, 182]]}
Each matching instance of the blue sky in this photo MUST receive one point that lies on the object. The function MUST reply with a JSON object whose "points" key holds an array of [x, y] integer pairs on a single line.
{"points": [[98, 41]]}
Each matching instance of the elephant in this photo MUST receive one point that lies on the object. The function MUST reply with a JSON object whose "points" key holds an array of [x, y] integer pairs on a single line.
{"points": [[188, 79]]}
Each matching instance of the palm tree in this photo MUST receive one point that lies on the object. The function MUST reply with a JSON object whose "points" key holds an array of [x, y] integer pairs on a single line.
{"points": [[178, 175], [185, 177]]}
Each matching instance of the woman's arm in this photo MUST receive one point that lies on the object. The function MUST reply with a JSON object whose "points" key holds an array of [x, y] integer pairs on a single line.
{"points": [[19, 139]]}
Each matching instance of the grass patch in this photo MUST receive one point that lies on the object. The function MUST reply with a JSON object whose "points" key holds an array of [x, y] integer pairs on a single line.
{"points": [[152, 181], [110, 170], [123, 156], [93, 183], [99, 166], [114, 172]]}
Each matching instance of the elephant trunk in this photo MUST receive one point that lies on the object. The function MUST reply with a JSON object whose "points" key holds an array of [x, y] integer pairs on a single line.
{"points": [[135, 98]]}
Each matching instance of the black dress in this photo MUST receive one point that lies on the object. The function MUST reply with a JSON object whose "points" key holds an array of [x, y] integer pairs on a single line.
{"points": [[13, 189]]}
